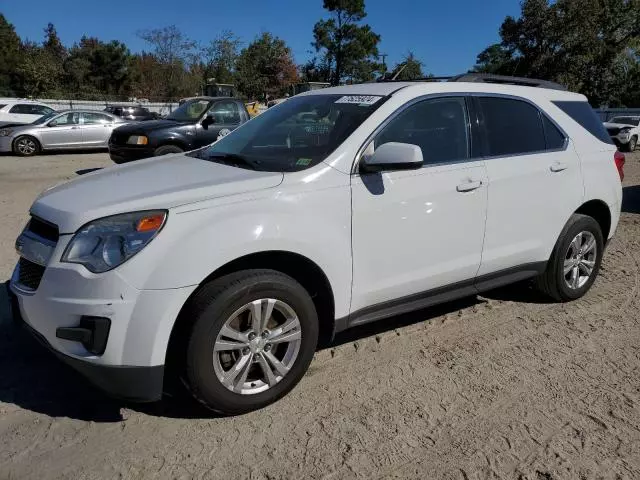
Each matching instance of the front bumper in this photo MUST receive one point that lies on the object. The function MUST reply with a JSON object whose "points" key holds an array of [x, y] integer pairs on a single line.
{"points": [[138, 384], [132, 364], [122, 154], [621, 140]]}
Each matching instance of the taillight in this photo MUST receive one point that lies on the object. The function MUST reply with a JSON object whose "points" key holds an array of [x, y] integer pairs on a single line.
{"points": [[618, 157]]}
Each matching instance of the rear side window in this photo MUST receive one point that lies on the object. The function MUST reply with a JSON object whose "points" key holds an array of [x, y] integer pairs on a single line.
{"points": [[512, 126], [554, 138], [582, 113]]}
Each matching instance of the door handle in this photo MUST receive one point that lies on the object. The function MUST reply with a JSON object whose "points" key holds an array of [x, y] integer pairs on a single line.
{"points": [[469, 186], [558, 167]]}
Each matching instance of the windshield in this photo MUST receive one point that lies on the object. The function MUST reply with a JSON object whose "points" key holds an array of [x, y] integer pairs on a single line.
{"points": [[626, 120], [45, 119], [295, 135], [189, 111]]}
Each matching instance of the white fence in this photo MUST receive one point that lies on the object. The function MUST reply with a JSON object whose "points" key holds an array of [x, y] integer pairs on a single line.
{"points": [[161, 108]]}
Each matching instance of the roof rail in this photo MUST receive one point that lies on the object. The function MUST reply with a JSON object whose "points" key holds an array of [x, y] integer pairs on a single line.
{"points": [[503, 79]]}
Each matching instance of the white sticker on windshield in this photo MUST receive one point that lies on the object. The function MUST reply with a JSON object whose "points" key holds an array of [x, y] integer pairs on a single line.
{"points": [[363, 100]]}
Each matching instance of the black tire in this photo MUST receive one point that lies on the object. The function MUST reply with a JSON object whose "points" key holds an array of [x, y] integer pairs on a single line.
{"points": [[166, 150], [210, 308], [552, 281], [27, 140], [631, 146]]}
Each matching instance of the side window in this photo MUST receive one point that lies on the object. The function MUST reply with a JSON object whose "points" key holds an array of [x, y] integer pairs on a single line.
{"points": [[225, 113], [96, 118], [511, 126], [438, 127], [554, 138], [20, 108], [40, 110], [582, 113], [71, 118]]}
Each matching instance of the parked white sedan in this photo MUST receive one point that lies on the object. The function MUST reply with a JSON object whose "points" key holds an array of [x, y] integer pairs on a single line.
{"points": [[70, 129], [624, 131]]}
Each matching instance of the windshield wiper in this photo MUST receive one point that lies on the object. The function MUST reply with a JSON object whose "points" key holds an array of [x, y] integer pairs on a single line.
{"points": [[232, 158]]}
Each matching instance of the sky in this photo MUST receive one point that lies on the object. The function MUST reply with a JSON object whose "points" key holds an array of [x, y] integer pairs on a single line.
{"points": [[445, 35]]}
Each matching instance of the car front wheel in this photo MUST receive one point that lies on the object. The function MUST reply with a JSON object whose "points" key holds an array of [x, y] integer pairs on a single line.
{"points": [[254, 336], [26, 146]]}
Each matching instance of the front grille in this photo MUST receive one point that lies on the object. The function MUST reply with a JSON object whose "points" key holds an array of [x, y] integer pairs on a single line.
{"points": [[30, 274], [43, 229], [613, 131], [118, 138]]}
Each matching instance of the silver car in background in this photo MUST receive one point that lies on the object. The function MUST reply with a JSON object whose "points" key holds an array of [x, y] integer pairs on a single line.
{"points": [[69, 129]]}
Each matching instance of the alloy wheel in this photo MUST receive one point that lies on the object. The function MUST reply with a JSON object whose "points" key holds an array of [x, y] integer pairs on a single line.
{"points": [[580, 260]]}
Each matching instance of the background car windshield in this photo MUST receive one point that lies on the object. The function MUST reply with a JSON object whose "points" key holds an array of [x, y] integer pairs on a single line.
{"points": [[626, 120], [190, 111], [296, 134], [45, 119]]}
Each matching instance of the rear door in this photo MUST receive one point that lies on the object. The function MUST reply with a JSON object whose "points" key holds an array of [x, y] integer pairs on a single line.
{"points": [[62, 131], [96, 128], [535, 183]]}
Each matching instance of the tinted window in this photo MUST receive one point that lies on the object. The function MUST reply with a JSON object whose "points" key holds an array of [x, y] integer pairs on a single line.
{"points": [[511, 126], [626, 120], [96, 119], [554, 138], [140, 111], [225, 113], [20, 108], [2, 105], [582, 113], [40, 110], [438, 127]]}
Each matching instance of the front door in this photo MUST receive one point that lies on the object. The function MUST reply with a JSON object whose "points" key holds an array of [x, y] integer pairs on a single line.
{"points": [[415, 231], [62, 131], [96, 128], [226, 117], [535, 183]]}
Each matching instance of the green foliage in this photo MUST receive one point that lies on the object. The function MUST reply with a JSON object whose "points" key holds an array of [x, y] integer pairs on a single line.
{"points": [[9, 58], [265, 69], [592, 46], [220, 57], [347, 47], [409, 69], [40, 72]]}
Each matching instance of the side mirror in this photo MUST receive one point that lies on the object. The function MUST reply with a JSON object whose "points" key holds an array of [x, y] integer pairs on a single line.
{"points": [[393, 156], [208, 120]]}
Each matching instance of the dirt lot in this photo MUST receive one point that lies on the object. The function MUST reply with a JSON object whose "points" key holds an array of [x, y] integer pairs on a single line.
{"points": [[504, 386]]}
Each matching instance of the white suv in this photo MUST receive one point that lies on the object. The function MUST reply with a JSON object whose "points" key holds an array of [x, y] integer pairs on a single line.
{"points": [[335, 208], [20, 112], [625, 131]]}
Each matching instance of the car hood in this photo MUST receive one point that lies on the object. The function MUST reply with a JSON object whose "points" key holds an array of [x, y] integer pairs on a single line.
{"points": [[155, 183], [619, 125], [15, 126], [149, 126]]}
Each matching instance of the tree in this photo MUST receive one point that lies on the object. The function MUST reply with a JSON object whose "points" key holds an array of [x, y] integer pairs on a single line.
{"points": [[175, 53], [39, 71], [265, 68], [315, 70], [584, 44], [220, 57], [409, 69], [350, 49], [52, 43], [9, 58]]}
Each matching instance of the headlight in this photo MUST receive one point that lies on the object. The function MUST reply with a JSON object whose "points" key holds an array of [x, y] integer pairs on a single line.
{"points": [[104, 244], [5, 132], [137, 140], [625, 130]]}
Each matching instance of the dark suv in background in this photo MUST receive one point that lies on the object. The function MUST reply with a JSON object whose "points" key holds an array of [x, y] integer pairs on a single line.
{"points": [[132, 113], [197, 122]]}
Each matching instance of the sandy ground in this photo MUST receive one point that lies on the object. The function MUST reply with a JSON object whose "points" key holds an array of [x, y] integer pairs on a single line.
{"points": [[505, 386]]}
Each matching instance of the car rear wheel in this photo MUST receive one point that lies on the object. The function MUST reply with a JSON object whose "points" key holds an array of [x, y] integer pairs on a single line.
{"points": [[254, 336], [575, 261], [167, 149], [26, 146]]}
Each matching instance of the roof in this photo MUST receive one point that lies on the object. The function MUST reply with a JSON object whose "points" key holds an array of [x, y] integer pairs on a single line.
{"points": [[426, 88]]}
